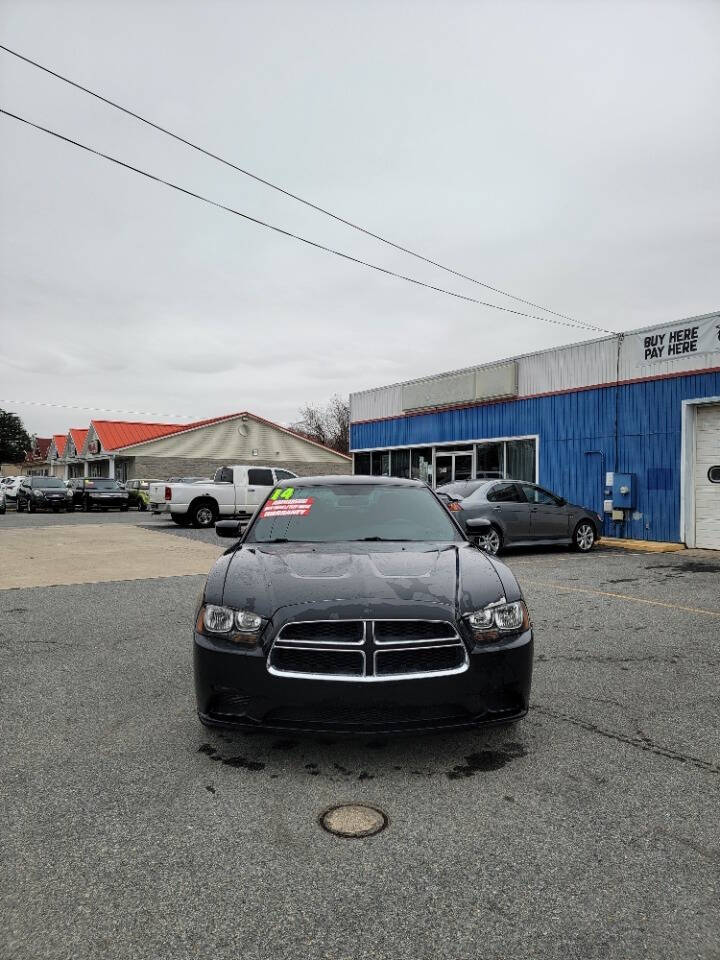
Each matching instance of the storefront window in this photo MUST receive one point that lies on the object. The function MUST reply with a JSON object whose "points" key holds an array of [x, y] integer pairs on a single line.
{"points": [[490, 458], [362, 464], [521, 460], [400, 463], [421, 464], [381, 463]]}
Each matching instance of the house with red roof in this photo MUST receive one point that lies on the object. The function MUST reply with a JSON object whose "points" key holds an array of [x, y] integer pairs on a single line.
{"points": [[136, 450], [36, 458]]}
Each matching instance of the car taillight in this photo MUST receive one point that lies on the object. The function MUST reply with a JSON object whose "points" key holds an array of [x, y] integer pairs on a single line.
{"points": [[168, 493], [454, 506]]}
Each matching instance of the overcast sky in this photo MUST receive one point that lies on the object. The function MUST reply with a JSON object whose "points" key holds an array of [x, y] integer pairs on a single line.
{"points": [[567, 152]]}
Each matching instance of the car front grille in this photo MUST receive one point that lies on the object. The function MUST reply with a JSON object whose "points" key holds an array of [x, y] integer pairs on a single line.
{"points": [[367, 650]]}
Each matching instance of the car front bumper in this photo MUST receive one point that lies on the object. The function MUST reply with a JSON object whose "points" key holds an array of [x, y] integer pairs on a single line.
{"points": [[117, 503], [235, 689]]}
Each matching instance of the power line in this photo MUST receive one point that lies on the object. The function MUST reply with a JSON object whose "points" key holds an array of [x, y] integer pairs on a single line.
{"points": [[288, 233], [71, 406], [288, 193]]}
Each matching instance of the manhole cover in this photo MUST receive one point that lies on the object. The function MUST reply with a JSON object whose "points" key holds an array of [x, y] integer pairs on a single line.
{"points": [[354, 820]]}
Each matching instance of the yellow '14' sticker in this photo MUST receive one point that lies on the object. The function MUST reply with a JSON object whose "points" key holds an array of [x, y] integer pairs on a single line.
{"points": [[285, 494]]}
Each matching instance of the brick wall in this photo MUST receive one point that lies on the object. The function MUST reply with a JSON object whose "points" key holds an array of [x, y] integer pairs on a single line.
{"points": [[163, 467]]}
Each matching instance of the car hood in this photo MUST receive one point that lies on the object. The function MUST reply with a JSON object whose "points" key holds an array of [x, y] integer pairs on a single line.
{"points": [[352, 580]]}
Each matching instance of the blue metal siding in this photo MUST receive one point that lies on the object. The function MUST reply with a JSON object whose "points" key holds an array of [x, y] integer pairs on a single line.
{"points": [[569, 424]]}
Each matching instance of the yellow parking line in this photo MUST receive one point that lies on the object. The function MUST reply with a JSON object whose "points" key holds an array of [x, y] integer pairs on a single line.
{"points": [[624, 596]]}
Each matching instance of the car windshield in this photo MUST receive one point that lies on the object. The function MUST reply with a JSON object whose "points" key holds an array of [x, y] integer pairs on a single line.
{"points": [[46, 483], [335, 513], [100, 484]]}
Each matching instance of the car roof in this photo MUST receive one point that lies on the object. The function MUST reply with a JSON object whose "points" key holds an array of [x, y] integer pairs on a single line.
{"points": [[340, 479]]}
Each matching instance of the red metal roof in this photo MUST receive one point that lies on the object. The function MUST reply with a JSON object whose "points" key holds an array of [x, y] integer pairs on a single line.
{"points": [[78, 438], [115, 434], [60, 440], [39, 451]]}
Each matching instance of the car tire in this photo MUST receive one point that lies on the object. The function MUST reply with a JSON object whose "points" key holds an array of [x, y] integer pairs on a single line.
{"points": [[204, 514], [584, 536], [30, 506], [18, 506], [491, 542], [142, 506]]}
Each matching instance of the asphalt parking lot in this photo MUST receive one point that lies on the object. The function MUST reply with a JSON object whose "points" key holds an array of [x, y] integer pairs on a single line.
{"points": [[588, 830]]}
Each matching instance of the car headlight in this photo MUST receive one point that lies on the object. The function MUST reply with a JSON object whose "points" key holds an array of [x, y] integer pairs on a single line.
{"points": [[239, 626], [38, 493], [68, 493], [498, 620]]}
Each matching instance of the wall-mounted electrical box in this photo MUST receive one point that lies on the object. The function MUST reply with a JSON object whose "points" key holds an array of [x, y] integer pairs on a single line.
{"points": [[619, 492]]}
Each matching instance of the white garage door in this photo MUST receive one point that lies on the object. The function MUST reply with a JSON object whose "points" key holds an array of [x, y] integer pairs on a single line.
{"points": [[707, 477]]}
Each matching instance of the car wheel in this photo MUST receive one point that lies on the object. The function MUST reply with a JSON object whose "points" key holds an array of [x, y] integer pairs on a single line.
{"points": [[584, 536], [203, 515], [142, 506], [18, 506], [31, 506], [490, 542]]}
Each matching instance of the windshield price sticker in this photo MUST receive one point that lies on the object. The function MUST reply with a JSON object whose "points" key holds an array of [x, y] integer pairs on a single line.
{"points": [[299, 507]]}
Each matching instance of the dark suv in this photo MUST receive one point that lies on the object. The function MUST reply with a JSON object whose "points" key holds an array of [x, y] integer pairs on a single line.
{"points": [[43, 493], [100, 492]]}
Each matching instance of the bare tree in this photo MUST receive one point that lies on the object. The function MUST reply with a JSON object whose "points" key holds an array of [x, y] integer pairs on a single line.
{"points": [[327, 423]]}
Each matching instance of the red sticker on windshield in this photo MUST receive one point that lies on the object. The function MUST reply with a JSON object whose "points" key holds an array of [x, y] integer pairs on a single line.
{"points": [[287, 508]]}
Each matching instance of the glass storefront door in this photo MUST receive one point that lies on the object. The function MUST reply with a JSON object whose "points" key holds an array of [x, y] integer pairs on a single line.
{"points": [[452, 466]]}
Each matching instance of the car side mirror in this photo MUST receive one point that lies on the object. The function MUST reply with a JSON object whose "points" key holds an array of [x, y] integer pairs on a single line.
{"points": [[480, 524], [229, 528]]}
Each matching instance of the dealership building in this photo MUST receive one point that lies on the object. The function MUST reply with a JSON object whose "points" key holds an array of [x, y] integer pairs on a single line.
{"points": [[628, 425]]}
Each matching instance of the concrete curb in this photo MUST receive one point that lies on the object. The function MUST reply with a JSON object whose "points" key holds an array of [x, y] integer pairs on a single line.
{"points": [[642, 546]]}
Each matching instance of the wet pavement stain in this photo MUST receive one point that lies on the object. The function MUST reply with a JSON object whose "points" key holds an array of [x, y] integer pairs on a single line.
{"points": [[691, 566], [237, 761], [486, 761]]}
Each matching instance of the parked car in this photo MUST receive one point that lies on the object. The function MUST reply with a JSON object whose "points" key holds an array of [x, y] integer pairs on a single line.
{"points": [[356, 604], [139, 493], [521, 514], [102, 493], [2, 501], [42, 493], [11, 488], [234, 491]]}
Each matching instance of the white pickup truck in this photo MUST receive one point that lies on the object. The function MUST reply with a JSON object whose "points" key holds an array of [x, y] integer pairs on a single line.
{"points": [[233, 492]]}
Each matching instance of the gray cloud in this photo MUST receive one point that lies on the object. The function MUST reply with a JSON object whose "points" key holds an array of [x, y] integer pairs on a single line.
{"points": [[565, 152]]}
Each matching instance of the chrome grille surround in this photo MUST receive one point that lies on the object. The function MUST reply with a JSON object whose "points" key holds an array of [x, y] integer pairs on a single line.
{"points": [[376, 651]]}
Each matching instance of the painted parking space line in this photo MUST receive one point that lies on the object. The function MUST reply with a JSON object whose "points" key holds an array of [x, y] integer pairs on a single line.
{"points": [[624, 596]]}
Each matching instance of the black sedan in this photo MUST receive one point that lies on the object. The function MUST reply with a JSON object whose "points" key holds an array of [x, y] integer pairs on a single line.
{"points": [[520, 514], [100, 493], [43, 493], [357, 604]]}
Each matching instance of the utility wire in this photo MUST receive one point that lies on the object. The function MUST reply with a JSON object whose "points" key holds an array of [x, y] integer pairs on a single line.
{"points": [[70, 406], [288, 193], [288, 233]]}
